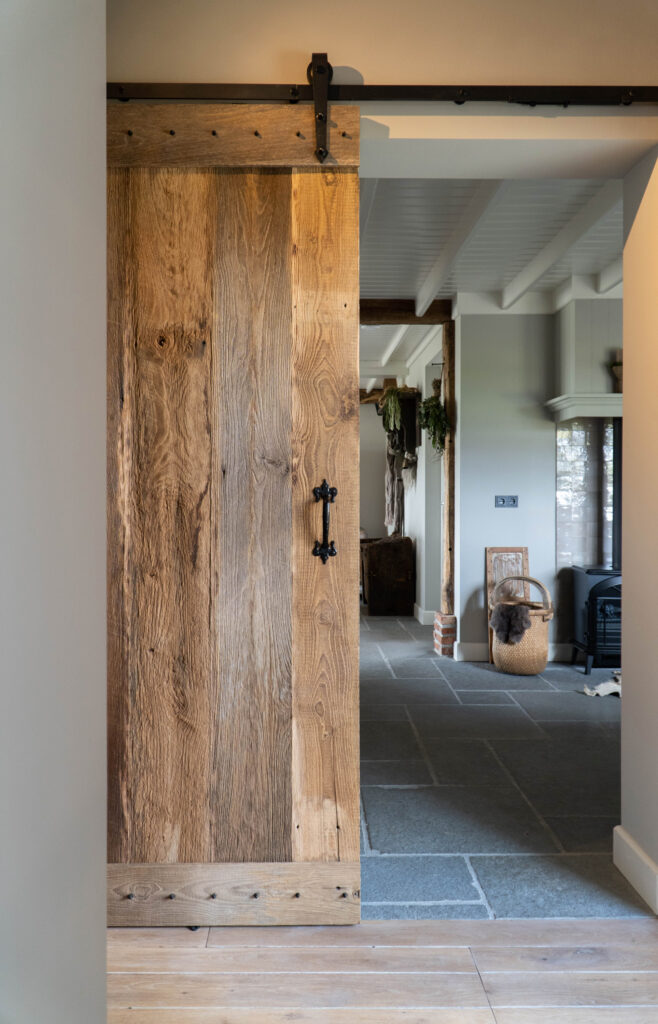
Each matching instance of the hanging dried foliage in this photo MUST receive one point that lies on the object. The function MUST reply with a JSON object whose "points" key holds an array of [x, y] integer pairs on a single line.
{"points": [[433, 418], [391, 410]]}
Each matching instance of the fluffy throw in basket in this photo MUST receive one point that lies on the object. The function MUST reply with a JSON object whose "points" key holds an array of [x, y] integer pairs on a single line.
{"points": [[510, 622]]}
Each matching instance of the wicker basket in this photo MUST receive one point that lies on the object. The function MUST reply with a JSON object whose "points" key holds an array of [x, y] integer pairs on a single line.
{"points": [[530, 655]]}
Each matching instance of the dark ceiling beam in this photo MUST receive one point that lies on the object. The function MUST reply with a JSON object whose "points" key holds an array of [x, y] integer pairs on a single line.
{"points": [[403, 311]]}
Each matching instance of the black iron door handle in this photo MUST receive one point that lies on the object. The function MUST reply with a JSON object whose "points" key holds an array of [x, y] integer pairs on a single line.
{"points": [[326, 549]]}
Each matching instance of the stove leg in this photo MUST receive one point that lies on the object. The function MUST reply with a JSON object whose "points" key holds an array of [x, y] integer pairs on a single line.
{"points": [[589, 661]]}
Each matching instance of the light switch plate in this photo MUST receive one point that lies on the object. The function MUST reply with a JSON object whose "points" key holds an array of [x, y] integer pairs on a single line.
{"points": [[506, 501]]}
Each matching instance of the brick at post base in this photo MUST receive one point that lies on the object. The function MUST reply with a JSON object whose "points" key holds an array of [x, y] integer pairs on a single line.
{"points": [[445, 634]]}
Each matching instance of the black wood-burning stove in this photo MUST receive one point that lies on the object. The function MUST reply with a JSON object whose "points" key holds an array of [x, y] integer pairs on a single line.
{"points": [[597, 616], [597, 589]]}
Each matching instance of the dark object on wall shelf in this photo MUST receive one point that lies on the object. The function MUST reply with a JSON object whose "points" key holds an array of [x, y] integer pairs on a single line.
{"points": [[389, 576], [597, 616]]}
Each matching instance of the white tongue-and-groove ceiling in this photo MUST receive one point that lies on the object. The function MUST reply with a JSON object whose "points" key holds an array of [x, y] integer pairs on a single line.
{"points": [[423, 239]]}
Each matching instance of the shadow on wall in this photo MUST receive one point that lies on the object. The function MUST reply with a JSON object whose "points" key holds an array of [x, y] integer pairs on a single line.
{"points": [[474, 617]]}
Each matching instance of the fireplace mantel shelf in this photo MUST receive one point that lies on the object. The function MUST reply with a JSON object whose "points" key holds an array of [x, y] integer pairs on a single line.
{"points": [[568, 407]]}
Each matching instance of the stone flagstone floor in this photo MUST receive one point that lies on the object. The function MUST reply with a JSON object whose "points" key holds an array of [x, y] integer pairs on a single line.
{"points": [[484, 795]]}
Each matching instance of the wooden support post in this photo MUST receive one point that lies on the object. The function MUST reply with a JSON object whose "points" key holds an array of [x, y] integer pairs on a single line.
{"points": [[448, 539]]}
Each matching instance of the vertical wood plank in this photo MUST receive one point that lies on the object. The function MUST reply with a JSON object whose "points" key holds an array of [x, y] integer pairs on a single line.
{"points": [[161, 317], [120, 353], [448, 542], [252, 518], [325, 407]]}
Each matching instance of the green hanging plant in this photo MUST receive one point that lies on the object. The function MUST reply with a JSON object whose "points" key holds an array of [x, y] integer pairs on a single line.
{"points": [[391, 410], [433, 418]]}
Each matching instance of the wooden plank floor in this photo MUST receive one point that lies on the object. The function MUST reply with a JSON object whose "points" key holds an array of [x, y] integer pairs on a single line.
{"points": [[388, 972]]}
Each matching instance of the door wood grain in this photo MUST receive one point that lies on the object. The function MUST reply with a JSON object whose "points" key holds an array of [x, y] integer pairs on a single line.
{"points": [[232, 651]]}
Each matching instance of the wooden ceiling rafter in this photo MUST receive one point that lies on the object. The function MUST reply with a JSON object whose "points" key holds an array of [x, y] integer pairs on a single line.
{"points": [[378, 312]]}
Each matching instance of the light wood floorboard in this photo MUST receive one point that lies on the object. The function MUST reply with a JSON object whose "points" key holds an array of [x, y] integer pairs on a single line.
{"points": [[639, 957], [590, 931], [541, 988], [322, 1016], [582, 1015], [397, 972], [313, 960]]}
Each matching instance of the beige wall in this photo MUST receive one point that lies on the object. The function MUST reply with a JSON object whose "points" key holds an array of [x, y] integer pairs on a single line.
{"points": [[473, 41], [636, 848], [52, 513]]}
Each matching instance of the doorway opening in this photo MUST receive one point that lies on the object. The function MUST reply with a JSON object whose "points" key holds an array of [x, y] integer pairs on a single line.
{"points": [[488, 793]]}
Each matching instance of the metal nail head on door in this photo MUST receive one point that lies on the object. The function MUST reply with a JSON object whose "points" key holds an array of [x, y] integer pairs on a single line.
{"points": [[327, 495]]}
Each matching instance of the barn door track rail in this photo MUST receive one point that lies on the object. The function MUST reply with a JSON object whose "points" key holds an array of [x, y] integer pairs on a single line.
{"points": [[321, 90]]}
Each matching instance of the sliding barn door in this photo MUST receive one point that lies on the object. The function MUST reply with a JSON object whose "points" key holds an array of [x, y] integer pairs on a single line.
{"points": [[233, 393]]}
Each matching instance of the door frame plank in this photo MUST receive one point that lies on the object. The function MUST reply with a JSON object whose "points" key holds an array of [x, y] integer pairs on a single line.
{"points": [[226, 135], [245, 894]]}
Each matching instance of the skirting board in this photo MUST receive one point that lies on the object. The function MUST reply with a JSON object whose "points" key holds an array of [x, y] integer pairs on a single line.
{"points": [[480, 652], [424, 616], [148, 895], [636, 866]]}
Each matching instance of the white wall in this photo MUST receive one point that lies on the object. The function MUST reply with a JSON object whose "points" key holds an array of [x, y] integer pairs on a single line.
{"points": [[52, 540], [373, 469], [506, 446], [518, 41], [422, 498], [636, 843], [589, 331]]}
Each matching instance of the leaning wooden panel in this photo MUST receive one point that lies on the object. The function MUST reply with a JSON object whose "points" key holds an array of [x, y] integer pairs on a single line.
{"points": [[226, 135], [160, 683], [232, 894], [325, 404], [251, 519]]}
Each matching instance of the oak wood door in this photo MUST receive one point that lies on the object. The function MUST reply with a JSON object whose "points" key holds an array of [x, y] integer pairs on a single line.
{"points": [[232, 394]]}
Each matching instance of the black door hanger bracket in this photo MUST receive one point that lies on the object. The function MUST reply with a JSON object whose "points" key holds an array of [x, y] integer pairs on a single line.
{"points": [[319, 74]]}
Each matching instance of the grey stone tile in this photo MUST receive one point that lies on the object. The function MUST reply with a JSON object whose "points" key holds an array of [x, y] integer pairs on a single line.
{"points": [[414, 625], [382, 712], [576, 731], [388, 741], [370, 656], [452, 819], [374, 669], [463, 675], [423, 912], [408, 649], [584, 835], [415, 666], [472, 722], [395, 773], [563, 777], [383, 629], [465, 763], [557, 886], [484, 697], [573, 707], [427, 690], [414, 879], [567, 678]]}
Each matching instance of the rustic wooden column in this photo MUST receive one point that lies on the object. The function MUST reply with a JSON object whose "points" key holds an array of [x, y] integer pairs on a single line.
{"points": [[445, 621]]}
